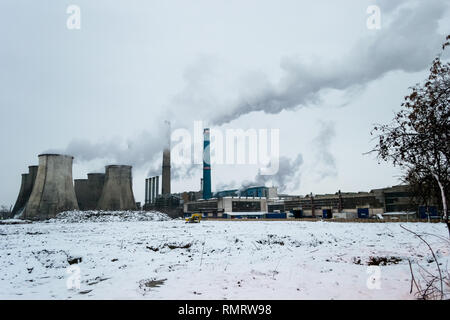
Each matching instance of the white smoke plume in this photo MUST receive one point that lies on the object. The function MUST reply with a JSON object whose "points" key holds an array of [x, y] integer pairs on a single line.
{"points": [[408, 41], [325, 163], [287, 178]]}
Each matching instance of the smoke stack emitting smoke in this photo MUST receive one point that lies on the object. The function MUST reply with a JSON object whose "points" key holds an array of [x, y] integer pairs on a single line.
{"points": [[166, 162], [287, 177], [206, 165], [407, 41]]}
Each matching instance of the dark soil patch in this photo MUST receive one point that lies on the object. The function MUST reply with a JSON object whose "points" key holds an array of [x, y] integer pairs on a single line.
{"points": [[383, 261], [271, 239], [10, 222], [147, 284], [178, 246], [74, 260], [85, 292], [171, 246], [378, 261], [96, 280]]}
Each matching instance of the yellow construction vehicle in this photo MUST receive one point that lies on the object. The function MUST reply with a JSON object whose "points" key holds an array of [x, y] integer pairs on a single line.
{"points": [[195, 218]]}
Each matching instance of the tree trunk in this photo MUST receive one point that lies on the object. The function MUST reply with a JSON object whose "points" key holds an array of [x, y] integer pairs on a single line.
{"points": [[444, 202]]}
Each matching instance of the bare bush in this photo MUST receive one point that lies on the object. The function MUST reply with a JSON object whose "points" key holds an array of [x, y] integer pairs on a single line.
{"points": [[430, 285]]}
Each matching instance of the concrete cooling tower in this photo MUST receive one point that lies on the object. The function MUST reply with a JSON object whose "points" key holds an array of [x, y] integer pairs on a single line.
{"points": [[82, 193], [53, 190], [117, 193], [88, 191], [25, 190], [96, 182]]}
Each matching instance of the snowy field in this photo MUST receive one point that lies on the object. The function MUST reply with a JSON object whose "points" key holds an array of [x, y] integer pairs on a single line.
{"points": [[168, 259]]}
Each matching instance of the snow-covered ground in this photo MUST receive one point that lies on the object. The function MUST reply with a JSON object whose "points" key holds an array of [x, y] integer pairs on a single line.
{"points": [[169, 259]]}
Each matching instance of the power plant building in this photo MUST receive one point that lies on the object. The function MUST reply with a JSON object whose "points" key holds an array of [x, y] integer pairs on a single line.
{"points": [[390, 201], [396, 199], [227, 207], [361, 204]]}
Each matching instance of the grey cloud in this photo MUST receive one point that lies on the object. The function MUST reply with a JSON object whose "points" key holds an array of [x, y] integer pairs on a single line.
{"points": [[407, 42], [140, 151]]}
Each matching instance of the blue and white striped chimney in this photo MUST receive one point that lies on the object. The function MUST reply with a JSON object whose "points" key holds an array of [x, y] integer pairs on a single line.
{"points": [[206, 165]]}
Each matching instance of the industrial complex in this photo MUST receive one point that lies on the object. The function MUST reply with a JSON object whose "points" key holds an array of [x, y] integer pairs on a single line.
{"points": [[262, 202], [48, 189]]}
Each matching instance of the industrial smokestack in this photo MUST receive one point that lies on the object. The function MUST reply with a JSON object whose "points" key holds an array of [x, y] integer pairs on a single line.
{"points": [[117, 193], [153, 189], [146, 198], [206, 165], [53, 190], [166, 163], [26, 188], [88, 191]]}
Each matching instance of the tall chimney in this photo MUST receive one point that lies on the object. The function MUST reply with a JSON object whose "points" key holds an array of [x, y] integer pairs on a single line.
{"points": [[166, 164], [206, 165], [153, 189], [157, 186], [146, 192]]}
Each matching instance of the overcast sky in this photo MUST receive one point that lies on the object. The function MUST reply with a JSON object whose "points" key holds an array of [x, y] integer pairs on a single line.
{"points": [[309, 68]]}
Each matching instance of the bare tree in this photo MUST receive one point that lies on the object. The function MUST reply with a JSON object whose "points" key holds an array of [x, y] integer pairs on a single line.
{"points": [[434, 283], [424, 189], [418, 138], [5, 212]]}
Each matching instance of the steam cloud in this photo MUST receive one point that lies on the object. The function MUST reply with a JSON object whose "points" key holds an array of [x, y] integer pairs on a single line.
{"points": [[408, 41], [287, 177], [325, 161]]}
